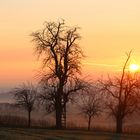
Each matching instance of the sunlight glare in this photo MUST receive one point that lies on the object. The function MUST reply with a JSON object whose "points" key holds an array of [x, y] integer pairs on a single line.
{"points": [[133, 67]]}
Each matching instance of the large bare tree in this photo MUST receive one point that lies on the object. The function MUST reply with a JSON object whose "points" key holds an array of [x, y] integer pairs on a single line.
{"points": [[25, 97], [61, 55], [123, 94]]}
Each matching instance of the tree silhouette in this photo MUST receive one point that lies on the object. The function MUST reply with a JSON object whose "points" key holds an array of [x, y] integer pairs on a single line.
{"points": [[57, 45], [25, 96], [122, 94], [91, 105]]}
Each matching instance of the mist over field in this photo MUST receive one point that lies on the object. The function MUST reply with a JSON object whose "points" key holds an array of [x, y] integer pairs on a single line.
{"points": [[74, 117]]}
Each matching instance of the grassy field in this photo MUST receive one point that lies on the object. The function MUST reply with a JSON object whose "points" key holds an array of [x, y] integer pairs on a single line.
{"points": [[44, 134]]}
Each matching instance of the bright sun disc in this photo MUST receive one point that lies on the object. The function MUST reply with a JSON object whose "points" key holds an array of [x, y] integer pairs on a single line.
{"points": [[133, 67]]}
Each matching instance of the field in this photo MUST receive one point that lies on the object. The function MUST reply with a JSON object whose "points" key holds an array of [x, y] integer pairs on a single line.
{"points": [[45, 134]]}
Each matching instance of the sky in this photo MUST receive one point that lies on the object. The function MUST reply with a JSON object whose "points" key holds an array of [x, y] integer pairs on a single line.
{"points": [[109, 29]]}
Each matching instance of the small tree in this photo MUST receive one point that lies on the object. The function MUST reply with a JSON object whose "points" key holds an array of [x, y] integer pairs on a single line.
{"points": [[25, 97], [123, 94], [90, 105]]}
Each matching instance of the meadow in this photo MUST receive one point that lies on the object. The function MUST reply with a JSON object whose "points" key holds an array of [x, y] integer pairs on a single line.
{"points": [[47, 134]]}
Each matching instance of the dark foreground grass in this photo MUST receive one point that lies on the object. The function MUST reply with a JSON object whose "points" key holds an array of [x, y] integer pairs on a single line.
{"points": [[45, 134]]}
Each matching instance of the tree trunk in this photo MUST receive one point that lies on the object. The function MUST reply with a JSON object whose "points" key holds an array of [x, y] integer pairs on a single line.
{"points": [[58, 116], [89, 122], [119, 124], [29, 119], [58, 108]]}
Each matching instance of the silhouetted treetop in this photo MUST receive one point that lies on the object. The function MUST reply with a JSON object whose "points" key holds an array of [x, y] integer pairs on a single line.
{"points": [[57, 44]]}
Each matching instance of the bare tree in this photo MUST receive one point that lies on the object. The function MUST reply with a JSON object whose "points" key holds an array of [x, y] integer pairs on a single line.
{"points": [[57, 45], [25, 96], [122, 94], [90, 105]]}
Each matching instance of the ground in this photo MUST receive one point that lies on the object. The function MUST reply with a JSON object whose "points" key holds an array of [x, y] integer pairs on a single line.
{"points": [[44, 134]]}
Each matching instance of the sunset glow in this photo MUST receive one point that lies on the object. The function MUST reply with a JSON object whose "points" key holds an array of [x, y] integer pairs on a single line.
{"points": [[133, 67], [108, 29]]}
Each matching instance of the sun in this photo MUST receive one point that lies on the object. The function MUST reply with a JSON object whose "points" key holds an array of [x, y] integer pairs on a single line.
{"points": [[133, 67]]}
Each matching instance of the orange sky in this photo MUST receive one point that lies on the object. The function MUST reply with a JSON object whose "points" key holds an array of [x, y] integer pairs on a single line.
{"points": [[109, 28]]}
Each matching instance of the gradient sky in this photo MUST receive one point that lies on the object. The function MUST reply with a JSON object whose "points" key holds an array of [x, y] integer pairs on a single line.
{"points": [[109, 28]]}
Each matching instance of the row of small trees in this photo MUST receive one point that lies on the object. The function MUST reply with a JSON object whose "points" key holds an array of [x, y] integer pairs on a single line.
{"points": [[57, 46]]}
